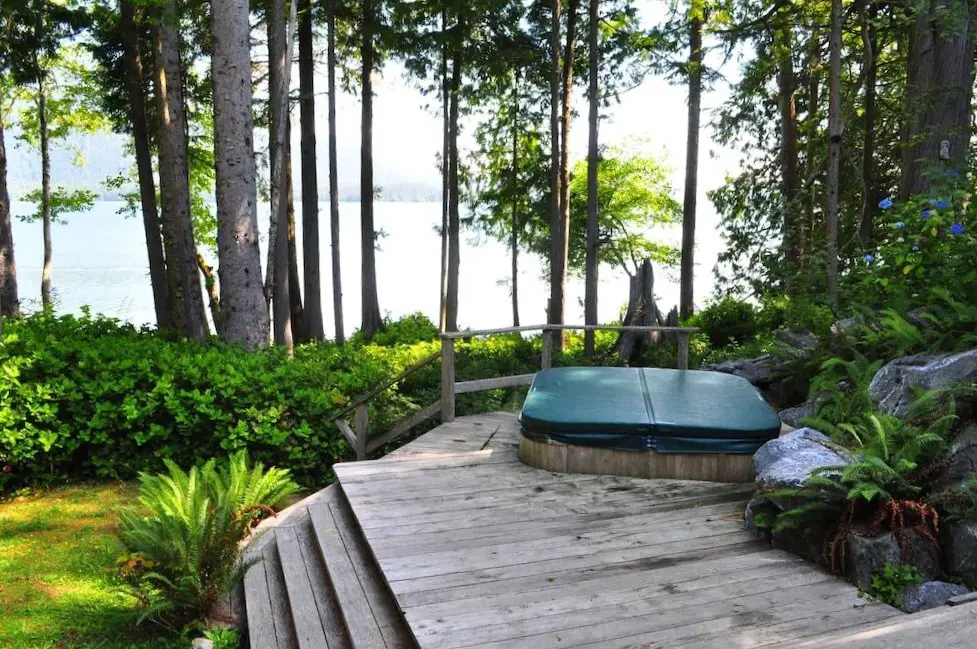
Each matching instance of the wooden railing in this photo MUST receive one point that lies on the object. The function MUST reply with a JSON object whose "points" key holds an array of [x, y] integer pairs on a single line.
{"points": [[358, 436]]}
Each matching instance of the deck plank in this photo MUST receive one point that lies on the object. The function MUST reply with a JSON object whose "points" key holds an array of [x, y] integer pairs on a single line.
{"points": [[481, 551]]}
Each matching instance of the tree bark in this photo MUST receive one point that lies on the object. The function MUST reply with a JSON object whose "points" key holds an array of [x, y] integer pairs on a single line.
{"points": [[310, 183], [939, 90], [806, 225], [372, 319], [789, 164], [557, 276], [300, 325], [566, 113], [183, 280], [132, 61], [515, 197], [45, 191], [279, 67], [454, 244], [593, 223], [9, 300], [834, 152], [642, 312], [213, 293], [243, 308], [866, 224], [337, 282], [686, 303], [445, 184]]}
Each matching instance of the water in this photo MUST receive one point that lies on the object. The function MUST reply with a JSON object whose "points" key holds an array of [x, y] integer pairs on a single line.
{"points": [[100, 261]]}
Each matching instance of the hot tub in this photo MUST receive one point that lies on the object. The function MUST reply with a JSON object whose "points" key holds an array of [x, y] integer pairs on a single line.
{"points": [[645, 422]]}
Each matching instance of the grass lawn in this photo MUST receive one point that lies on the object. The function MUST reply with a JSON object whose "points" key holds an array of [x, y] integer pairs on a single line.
{"points": [[57, 573]]}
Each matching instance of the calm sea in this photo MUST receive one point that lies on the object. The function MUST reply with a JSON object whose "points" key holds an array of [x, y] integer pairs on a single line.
{"points": [[100, 261]]}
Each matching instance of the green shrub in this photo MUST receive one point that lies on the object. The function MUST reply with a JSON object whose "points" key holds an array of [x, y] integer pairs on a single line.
{"points": [[727, 321], [410, 329], [888, 585], [185, 553]]}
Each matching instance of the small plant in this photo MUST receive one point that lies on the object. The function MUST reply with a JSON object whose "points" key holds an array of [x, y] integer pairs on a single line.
{"points": [[223, 638], [727, 321], [185, 553], [889, 585]]}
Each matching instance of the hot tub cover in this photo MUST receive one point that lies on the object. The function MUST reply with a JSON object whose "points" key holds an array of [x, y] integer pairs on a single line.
{"points": [[640, 409]]}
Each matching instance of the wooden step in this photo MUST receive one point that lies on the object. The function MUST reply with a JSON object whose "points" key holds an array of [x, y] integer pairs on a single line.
{"points": [[371, 616], [266, 600]]}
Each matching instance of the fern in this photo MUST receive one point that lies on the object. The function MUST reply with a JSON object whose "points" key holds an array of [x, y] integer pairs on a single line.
{"points": [[192, 531]]}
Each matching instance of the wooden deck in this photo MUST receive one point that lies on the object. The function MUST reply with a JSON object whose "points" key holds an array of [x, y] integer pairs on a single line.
{"points": [[450, 543]]}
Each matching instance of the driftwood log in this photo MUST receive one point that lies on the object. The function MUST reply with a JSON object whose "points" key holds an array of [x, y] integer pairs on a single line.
{"points": [[642, 311]]}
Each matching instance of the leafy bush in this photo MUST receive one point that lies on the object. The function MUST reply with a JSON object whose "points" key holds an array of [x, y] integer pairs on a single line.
{"points": [[888, 585], [185, 554], [410, 329], [727, 321]]}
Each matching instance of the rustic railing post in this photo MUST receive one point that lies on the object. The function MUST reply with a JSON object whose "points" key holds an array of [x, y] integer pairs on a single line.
{"points": [[546, 356], [447, 379], [683, 350], [362, 429]]}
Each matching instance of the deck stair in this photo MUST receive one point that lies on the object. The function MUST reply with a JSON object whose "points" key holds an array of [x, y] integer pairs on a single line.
{"points": [[451, 543]]}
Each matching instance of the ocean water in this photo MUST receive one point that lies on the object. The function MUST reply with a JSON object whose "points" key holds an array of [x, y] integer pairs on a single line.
{"points": [[100, 262]]}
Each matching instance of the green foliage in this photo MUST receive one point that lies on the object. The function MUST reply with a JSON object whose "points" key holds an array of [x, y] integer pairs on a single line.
{"points": [[223, 638], [961, 502], [410, 329], [888, 585], [726, 321], [62, 202], [841, 388], [185, 550]]}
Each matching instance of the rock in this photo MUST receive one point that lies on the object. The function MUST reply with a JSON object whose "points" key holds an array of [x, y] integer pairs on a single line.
{"points": [[202, 643], [798, 343], [920, 317], [806, 540], [961, 551], [758, 371], [930, 594], [892, 387], [786, 462], [867, 555], [846, 326], [757, 505], [793, 416], [961, 462]]}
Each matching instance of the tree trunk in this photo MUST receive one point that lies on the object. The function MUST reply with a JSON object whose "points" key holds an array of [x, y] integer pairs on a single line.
{"points": [[686, 303], [593, 223], [445, 184], [834, 152], [300, 324], [866, 223], [310, 184], [132, 61], [557, 277], [244, 313], [337, 282], [213, 293], [183, 280], [45, 192], [515, 197], [813, 143], [642, 312], [9, 300], [791, 182], [566, 115], [279, 67], [372, 319], [939, 89], [454, 244]]}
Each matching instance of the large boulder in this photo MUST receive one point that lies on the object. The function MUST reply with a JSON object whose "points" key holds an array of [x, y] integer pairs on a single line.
{"points": [[786, 462], [793, 416], [867, 555], [961, 551], [892, 387], [961, 461], [759, 371], [930, 594], [797, 343]]}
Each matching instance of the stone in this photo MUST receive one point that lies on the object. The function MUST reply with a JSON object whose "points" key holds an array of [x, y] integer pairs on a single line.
{"points": [[202, 643], [758, 371], [892, 387], [846, 326], [867, 555], [930, 594], [965, 598], [793, 416], [961, 462], [757, 505], [806, 540], [961, 551], [798, 342], [920, 317], [786, 462]]}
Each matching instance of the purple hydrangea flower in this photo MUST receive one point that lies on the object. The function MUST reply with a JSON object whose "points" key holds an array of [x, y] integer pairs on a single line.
{"points": [[942, 204], [956, 229], [869, 258], [901, 225], [927, 213], [885, 203]]}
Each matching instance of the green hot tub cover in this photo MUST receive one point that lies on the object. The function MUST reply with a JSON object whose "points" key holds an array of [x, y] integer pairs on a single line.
{"points": [[640, 409]]}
